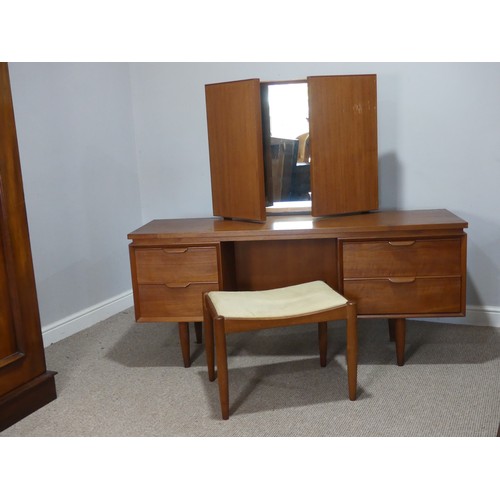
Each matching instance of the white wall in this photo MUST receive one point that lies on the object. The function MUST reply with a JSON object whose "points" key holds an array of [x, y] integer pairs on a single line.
{"points": [[77, 148], [106, 147]]}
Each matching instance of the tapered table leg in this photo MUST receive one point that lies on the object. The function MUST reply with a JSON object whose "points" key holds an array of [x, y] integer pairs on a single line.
{"points": [[398, 327], [323, 342], [184, 340], [198, 326], [352, 350], [391, 331]]}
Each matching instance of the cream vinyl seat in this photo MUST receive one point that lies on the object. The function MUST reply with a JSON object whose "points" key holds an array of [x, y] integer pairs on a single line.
{"points": [[228, 312]]}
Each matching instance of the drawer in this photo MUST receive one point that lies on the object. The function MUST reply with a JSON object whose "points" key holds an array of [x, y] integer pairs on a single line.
{"points": [[405, 295], [176, 265], [373, 259], [161, 302]]}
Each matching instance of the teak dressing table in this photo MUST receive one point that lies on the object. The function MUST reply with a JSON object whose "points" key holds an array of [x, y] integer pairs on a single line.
{"points": [[394, 264]]}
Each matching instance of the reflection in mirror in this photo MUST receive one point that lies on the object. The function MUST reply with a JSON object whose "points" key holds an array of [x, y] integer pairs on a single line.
{"points": [[286, 146]]}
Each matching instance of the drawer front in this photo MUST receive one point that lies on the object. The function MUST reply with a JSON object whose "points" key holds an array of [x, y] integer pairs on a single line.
{"points": [[410, 296], [373, 259], [161, 302], [176, 265]]}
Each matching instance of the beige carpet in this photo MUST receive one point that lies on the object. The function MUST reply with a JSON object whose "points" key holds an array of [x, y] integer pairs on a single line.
{"points": [[120, 378]]}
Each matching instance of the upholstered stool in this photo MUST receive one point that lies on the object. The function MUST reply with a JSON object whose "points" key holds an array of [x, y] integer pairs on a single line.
{"points": [[314, 302]]}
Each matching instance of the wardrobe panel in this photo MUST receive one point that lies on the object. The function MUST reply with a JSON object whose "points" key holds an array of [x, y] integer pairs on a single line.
{"points": [[25, 384]]}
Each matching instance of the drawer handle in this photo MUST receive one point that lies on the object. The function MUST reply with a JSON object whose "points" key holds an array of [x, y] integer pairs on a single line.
{"points": [[408, 279], [402, 243], [175, 250], [185, 285]]}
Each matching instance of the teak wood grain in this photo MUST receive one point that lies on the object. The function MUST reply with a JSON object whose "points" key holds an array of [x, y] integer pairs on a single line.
{"points": [[262, 265], [342, 134], [395, 264], [417, 296], [417, 257], [177, 266], [234, 124], [343, 138], [404, 223]]}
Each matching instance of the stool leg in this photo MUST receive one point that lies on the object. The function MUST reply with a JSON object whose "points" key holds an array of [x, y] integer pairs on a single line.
{"points": [[209, 340], [222, 375], [352, 350], [323, 342]]}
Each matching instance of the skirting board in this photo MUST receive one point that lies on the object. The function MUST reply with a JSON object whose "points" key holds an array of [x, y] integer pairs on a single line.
{"points": [[476, 316], [85, 319]]}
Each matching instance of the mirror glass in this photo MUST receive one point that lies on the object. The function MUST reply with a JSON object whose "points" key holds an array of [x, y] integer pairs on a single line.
{"points": [[287, 147]]}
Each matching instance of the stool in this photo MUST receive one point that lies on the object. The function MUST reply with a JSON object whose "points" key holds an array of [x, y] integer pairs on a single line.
{"points": [[314, 302]]}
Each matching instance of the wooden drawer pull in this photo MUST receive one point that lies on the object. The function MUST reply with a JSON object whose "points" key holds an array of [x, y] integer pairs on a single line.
{"points": [[404, 279], [185, 285], [175, 250], [402, 243]]}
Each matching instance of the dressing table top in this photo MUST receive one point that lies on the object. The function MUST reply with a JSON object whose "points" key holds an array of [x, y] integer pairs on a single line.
{"points": [[289, 226]]}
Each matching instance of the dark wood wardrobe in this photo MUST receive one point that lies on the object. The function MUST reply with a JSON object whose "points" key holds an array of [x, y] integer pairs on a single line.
{"points": [[25, 383]]}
